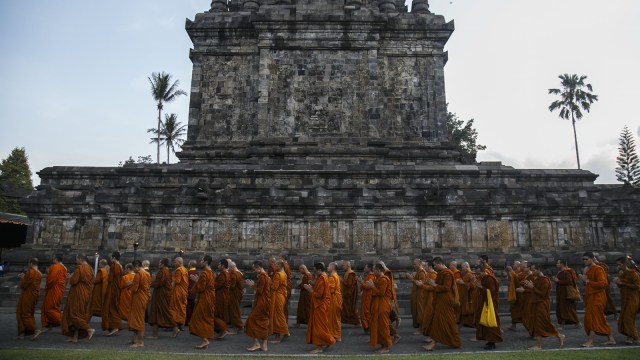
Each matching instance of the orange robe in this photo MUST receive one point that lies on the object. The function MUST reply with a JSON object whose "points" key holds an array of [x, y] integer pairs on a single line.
{"points": [[630, 300], [526, 301], [516, 307], [257, 325], [51, 312], [596, 301], [335, 306], [610, 307], [26, 306], [443, 328], [468, 300], [236, 292], [318, 332], [191, 298], [201, 322], [110, 309], [160, 313], [418, 297], [427, 311], [278, 323], [490, 334], [380, 322], [304, 301], [178, 303], [287, 271], [565, 309], [221, 314], [139, 300], [540, 309], [365, 305], [457, 308], [76, 309], [99, 291], [349, 313], [125, 295]]}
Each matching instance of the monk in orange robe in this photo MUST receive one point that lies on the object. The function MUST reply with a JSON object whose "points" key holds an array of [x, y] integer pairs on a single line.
{"points": [[349, 314], [486, 281], [257, 325], [51, 312], [380, 323], [335, 306], [418, 296], [100, 286], [26, 306], [124, 303], [287, 270], [111, 321], [139, 300], [222, 285], [395, 310], [318, 332], [457, 275], [191, 298], [539, 307], [304, 301], [525, 293], [427, 311], [277, 320], [443, 328], [467, 296], [236, 292], [483, 260], [513, 297], [366, 303], [565, 309], [160, 314], [271, 270], [610, 307], [179, 292], [595, 280], [76, 313], [629, 284], [201, 322]]}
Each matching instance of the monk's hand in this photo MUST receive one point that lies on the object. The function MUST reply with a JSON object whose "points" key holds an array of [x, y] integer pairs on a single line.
{"points": [[616, 280], [460, 281], [431, 282], [194, 277], [21, 275], [519, 290], [419, 282], [529, 284], [249, 282], [370, 283], [555, 278], [308, 287]]}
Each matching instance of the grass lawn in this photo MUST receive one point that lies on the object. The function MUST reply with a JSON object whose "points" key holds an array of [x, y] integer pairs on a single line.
{"points": [[628, 353]]}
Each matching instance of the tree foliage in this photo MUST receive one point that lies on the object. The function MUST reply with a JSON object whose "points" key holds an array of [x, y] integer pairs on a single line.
{"points": [[171, 132], [15, 180], [628, 170], [465, 137], [141, 160], [163, 90]]}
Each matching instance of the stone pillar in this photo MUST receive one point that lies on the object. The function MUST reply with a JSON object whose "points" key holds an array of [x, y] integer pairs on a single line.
{"points": [[218, 6], [387, 6], [420, 6], [252, 5]]}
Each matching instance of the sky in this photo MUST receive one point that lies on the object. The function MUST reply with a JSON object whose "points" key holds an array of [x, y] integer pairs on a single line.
{"points": [[75, 89]]}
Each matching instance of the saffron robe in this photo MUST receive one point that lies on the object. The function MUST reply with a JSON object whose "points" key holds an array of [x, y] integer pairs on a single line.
{"points": [[610, 307], [335, 306], [221, 315], [349, 314], [76, 309], [257, 324], [482, 332], [526, 301], [540, 309], [380, 322], [110, 308], [515, 307], [26, 306], [366, 303], [278, 323], [318, 332], [565, 309], [427, 311], [139, 300], [467, 300], [124, 303], [287, 271], [443, 328], [236, 292], [51, 312], [457, 308], [160, 313], [595, 301], [630, 301], [191, 298], [418, 297], [304, 301], [100, 287], [178, 303], [202, 319]]}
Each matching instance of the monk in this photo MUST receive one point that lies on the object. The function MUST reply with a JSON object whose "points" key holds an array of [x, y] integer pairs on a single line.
{"points": [[366, 303], [349, 314], [525, 292], [277, 320], [629, 284], [443, 328], [191, 298], [610, 307], [467, 296], [236, 292], [380, 322], [222, 285], [201, 322], [565, 308], [539, 308], [427, 311], [139, 299], [111, 322], [395, 310], [595, 284], [125, 291], [257, 325], [418, 296], [26, 306], [179, 292], [483, 260], [457, 275], [486, 281], [287, 270], [51, 312], [160, 315], [335, 306], [76, 313], [304, 301], [271, 270], [146, 264], [318, 332], [100, 286], [514, 297]]}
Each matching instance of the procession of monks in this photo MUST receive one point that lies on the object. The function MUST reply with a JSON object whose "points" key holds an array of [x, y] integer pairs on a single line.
{"points": [[443, 297]]}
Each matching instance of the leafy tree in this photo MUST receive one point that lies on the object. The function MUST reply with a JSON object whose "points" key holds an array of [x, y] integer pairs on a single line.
{"points": [[465, 137], [163, 91], [628, 170], [171, 132], [15, 180], [141, 160], [573, 99]]}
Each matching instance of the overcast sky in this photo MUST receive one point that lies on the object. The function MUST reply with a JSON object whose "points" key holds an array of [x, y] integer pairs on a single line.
{"points": [[75, 91]]}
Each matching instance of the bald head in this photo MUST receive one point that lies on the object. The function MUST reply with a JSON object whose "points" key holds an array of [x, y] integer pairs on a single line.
{"points": [[178, 261]]}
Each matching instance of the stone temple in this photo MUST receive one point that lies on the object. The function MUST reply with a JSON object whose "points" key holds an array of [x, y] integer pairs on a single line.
{"points": [[318, 128]]}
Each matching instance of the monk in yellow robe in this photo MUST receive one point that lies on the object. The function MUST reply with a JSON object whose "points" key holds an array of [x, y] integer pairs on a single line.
{"points": [[201, 322], [486, 281], [139, 300], [51, 312], [467, 296], [26, 306], [380, 322], [539, 307], [222, 285], [124, 303], [629, 284], [349, 314], [111, 321], [335, 306], [179, 292], [418, 296], [236, 292], [76, 313], [318, 332], [304, 301], [443, 328], [277, 319], [160, 313], [257, 325], [100, 286], [595, 283], [565, 309], [367, 290]]}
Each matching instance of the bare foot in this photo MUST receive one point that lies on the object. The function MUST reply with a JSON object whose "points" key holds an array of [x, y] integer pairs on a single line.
{"points": [[610, 342], [417, 332], [535, 348], [72, 340], [202, 346], [175, 333], [430, 347], [561, 338], [384, 350], [396, 339], [276, 341], [316, 351], [253, 348], [112, 332], [587, 345], [225, 333], [152, 337], [90, 333], [36, 333]]}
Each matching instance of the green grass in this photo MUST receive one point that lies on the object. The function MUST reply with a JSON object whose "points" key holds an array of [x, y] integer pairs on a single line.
{"points": [[628, 353]]}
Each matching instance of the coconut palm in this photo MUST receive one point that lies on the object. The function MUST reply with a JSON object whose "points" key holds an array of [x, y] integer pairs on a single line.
{"points": [[573, 99], [163, 91], [171, 132]]}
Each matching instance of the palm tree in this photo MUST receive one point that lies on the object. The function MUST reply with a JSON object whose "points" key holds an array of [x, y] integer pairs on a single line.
{"points": [[163, 91], [573, 99], [171, 131]]}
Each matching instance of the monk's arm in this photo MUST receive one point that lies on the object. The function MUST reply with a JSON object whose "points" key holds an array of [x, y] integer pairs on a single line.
{"points": [[447, 284]]}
